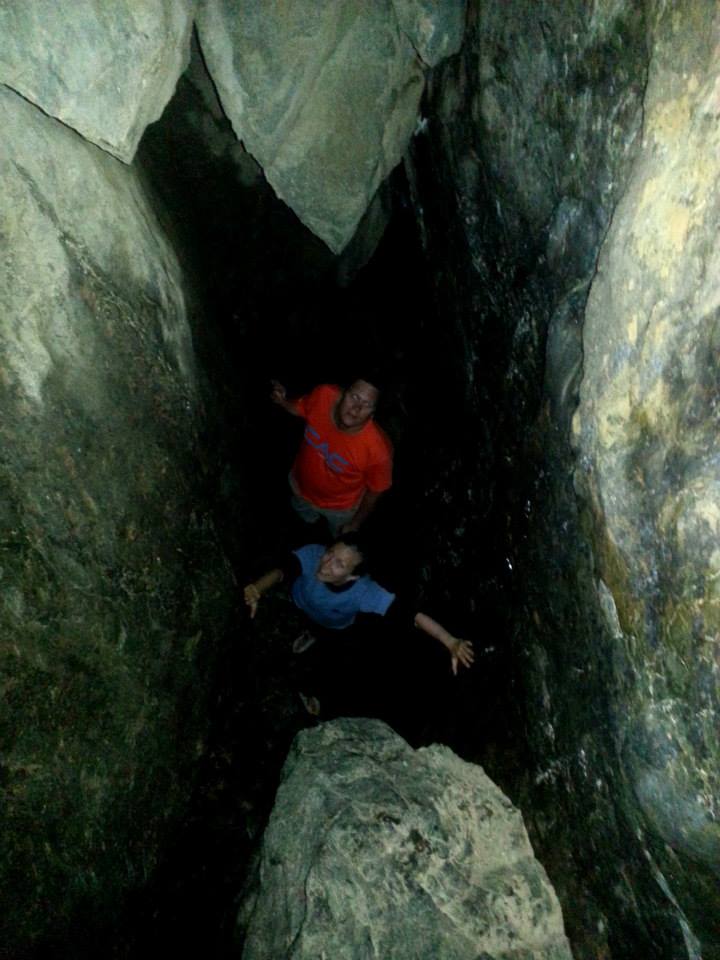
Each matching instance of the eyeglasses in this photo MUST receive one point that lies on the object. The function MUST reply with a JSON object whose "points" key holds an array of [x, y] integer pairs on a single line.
{"points": [[361, 401]]}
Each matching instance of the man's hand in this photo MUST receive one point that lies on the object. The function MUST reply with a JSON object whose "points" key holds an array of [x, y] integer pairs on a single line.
{"points": [[252, 598], [462, 652], [278, 394]]}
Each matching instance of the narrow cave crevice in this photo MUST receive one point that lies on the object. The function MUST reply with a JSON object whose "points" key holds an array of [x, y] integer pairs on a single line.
{"points": [[534, 274], [272, 303]]}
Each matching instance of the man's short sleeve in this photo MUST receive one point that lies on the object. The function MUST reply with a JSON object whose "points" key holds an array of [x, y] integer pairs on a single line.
{"points": [[301, 404], [304, 405]]}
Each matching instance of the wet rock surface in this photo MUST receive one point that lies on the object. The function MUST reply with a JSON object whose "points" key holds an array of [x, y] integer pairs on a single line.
{"points": [[374, 849]]}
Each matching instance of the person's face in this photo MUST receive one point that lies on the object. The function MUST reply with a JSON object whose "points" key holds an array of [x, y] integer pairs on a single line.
{"points": [[356, 405], [337, 564]]}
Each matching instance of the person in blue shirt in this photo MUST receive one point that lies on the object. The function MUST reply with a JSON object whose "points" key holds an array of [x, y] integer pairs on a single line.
{"points": [[331, 586]]}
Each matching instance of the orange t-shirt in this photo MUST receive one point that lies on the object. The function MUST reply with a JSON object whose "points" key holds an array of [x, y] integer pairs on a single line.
{"points": [[333, 468]]}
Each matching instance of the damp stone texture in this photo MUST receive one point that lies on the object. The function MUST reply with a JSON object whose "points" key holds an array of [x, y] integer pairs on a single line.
{"points": [[566, 189], [111, 581], [646, 432], [325, 93], [374, 849], [105, 69]]}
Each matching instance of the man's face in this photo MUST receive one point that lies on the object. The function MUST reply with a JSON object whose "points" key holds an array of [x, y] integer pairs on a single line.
{"points": [[337, 564], [356, 406]]}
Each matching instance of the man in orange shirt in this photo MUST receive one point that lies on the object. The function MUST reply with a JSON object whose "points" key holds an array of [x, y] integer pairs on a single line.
{"points": [[344, 462]]}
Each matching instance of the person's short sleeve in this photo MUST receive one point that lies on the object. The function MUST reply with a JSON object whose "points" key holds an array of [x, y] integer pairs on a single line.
{"points": [[301, 404], [305, 404], [376, 599], [309, 556]]}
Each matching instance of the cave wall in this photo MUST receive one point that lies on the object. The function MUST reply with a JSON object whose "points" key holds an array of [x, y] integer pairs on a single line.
{"points": [[565, 190], [114, 593], [646, 434]]}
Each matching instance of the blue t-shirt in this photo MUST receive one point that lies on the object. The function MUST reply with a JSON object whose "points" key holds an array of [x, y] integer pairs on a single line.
{"points": [[335, 609]]}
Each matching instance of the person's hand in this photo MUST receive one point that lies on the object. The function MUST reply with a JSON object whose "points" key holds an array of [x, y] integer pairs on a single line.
{"points": [[252, 598], [462, 653], [278, 394], [348, 527]]}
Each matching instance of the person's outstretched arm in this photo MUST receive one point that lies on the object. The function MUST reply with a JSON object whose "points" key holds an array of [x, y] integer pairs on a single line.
{"points": [[278, 395], [461, 651], [254, 591]]}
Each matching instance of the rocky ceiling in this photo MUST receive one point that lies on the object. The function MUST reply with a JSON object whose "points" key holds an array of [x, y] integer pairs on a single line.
{"points": [[282, 71]]}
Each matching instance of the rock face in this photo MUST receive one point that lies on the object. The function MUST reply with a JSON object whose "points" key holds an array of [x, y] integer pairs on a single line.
{"points": [[374, 849], [565, 183], [647, 438], [106, 72], [324, 94], [434, 29], [570, 203], [111, 584]]}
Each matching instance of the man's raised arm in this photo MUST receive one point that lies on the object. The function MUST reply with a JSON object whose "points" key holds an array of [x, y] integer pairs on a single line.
{"points": [[278, 395]]}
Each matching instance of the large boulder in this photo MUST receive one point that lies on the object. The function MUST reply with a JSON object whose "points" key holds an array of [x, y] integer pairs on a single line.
{"points": [[111, 583], [375, 849], [325, 93], [107, 70]]}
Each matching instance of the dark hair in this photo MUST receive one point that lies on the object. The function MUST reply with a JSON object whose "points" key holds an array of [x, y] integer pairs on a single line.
{"points": [[370, 375], [355, 541]]}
